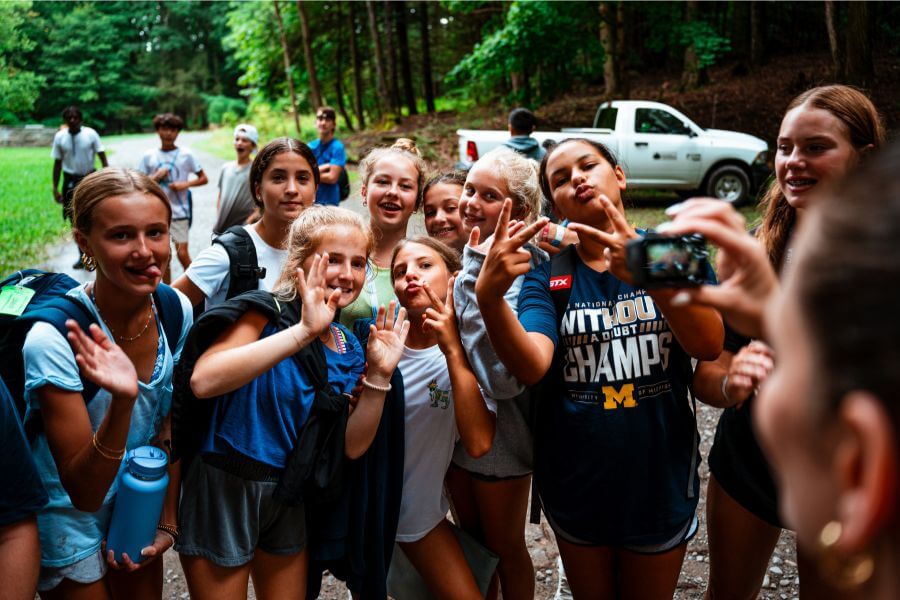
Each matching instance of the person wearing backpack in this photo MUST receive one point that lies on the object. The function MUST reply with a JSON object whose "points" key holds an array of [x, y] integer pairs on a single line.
{"points": [[235, 204], [107, 390], [171, 166], [616, 444], [332, 159], [284, 178], [235, 524]]}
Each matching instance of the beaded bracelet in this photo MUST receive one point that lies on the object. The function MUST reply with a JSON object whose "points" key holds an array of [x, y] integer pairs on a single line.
{"points": [[378, 388], [171, 530]]}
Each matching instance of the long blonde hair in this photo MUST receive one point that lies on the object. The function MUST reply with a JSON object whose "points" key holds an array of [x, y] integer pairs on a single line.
{"points": [[305, 236]]}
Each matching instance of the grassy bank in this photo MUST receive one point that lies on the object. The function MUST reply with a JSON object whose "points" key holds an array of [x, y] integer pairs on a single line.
{"points": [[29, 218]]}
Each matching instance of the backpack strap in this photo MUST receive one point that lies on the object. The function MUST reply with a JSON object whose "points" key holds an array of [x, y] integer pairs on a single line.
{"points": [[562, 278], [244, 271], [171, 314]]}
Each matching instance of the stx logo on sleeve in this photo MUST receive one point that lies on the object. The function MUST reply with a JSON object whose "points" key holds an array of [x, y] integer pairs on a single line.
{"points": [[562, 282]]}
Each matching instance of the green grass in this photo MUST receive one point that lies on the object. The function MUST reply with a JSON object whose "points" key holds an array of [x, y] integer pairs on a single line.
{"points": [[29, 218]]}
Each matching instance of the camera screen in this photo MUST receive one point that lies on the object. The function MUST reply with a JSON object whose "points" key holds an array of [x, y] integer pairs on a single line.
{"points": [[671, 259]]}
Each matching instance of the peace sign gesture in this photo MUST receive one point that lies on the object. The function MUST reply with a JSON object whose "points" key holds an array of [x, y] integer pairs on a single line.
{"points": [[441, 319], [614, 242], [506, 259]]}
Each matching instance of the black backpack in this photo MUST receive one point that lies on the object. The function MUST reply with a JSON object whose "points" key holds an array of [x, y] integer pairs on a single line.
{"points": [[344, 184], [244, 273], [50, 304]]}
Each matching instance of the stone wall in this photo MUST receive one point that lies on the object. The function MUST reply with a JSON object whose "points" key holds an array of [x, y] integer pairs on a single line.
{"points": [[30, 135]]}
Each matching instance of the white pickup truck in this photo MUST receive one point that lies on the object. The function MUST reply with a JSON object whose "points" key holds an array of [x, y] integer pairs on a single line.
{"points": [[658, 147]]}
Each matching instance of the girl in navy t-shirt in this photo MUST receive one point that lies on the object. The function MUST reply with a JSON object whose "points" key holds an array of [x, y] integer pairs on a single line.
{"points": [[616, 445]]}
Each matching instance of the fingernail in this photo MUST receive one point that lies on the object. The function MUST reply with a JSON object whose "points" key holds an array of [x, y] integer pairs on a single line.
{"points": [[663, 227], [145, 552], [680, 299], [675, 209]]}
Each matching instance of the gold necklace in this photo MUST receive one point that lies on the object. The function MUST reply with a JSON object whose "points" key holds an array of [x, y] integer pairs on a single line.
{"points": [[123, 338]]}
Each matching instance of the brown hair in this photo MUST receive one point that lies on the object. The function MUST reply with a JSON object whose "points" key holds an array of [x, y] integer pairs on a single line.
{"points": [[327, 112], [404, 147], [270, 151], [454, 177], [306, 234], [168, 120], [847, 279], [106, 183], [605, 152], [854, 109], [445, 252]]}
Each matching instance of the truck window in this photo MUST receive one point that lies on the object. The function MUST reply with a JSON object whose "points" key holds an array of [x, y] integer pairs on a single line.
{"points": [[654, 120], [606, 118]]}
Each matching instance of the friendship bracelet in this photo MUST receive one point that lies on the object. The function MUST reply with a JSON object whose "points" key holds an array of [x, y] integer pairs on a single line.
{"points": [[724, 392], [545, 232], [107, 453], [171, 530], [378, 388], [556, 242]]}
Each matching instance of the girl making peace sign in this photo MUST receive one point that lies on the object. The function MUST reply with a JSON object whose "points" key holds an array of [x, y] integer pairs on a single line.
{"points": [[616, 445]]}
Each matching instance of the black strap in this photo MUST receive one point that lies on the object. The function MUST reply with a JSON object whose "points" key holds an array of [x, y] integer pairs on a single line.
{"points": [[244, 271]]}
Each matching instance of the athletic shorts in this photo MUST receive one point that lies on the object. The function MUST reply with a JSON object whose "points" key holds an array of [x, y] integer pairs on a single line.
{"points": [[684, 534], [225, 518], [179, 230], [87, 570]]}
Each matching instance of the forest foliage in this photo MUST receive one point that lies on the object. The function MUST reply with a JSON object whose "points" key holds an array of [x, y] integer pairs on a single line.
{"points": [[376, 62]]}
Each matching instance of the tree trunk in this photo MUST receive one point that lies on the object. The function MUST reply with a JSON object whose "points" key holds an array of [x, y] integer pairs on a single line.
{"points": [[403, 40], [315, 91], [608, 42], [757, 41], [834, 44], [860, 69], [622, 80], [690, 74], [740, 26], [426, 57], [357, 67], [339, 61], [391, 51], [287, 65], [383, 95]]}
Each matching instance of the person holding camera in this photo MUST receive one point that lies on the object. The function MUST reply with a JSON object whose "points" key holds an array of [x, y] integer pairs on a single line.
{"points": [[616, 452]]}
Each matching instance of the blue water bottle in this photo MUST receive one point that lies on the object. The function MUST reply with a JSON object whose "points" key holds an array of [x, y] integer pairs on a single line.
{"points": [[139, 501]]}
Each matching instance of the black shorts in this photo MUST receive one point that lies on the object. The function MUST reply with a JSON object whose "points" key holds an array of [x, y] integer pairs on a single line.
{"points": [[225, 518], [738, 464]]}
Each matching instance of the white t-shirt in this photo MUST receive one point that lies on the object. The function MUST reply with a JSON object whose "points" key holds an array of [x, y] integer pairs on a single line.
{"points": [[77, 152], [209, 271], [181, 163], [430, 436]]}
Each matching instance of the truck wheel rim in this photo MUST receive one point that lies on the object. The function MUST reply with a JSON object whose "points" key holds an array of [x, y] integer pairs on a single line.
{"points": [[729, 188]]}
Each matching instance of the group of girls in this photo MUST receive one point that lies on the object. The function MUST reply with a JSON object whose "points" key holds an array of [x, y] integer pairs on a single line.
{"points": [[464, 335]]}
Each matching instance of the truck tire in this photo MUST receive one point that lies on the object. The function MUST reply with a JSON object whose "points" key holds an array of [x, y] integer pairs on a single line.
{"points": [[729, 183]]}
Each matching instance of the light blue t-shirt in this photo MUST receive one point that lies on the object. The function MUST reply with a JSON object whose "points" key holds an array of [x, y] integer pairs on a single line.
{"points": [[332, 153], [264, 418], [67, 534]]}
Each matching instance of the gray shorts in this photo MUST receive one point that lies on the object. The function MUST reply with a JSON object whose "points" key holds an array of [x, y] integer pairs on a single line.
{"points": [[87, 570], [225, 518], [179, 231]]}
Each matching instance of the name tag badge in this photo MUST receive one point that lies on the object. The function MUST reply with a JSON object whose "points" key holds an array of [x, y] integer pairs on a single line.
{"points": [[14, 300]]}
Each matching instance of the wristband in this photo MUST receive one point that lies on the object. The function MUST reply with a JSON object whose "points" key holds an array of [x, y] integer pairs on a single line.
{"points": [[545, 232], [105, 452], [556, 242], [171, 530], [378, 388], [724, 392]]}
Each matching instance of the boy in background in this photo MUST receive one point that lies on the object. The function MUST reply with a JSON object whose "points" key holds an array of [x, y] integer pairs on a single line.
{"points": [[171, 166], [522, 124], [331, 156], [235, 205]]}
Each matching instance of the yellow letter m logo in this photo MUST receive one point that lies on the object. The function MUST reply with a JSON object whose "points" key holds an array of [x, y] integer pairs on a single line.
{"points": [[624, 396]]}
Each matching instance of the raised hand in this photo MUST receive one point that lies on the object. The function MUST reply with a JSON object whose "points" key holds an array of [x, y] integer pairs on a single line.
{"points": [[103, 362], [747, 281], [614, 241], [386, 339], [506, 259], [749, 368], [440, 318], [318, 306]]}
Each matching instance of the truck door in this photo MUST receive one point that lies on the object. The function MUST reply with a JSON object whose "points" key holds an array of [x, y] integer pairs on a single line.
{"points": [[661, 149]]}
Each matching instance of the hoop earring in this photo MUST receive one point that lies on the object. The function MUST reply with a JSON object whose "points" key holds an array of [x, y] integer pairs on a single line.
{"points": [[89, 262], [843, 572]]}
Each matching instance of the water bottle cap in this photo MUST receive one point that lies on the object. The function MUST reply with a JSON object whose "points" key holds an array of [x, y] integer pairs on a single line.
{"points": [[147, 462]]}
